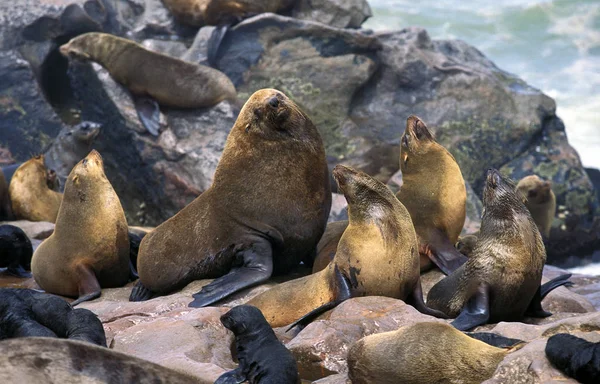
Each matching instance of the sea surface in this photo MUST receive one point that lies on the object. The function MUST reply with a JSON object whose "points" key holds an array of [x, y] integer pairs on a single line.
{"points": [[553, 45]]}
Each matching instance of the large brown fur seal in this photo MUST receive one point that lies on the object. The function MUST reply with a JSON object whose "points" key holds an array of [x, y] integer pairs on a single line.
{"points": [[376, 256], [57, 361], [540, 201], [152, 76], [263, 214], [31, 197], [422, 353], [501, 279], [89, 248], [433, 192]]}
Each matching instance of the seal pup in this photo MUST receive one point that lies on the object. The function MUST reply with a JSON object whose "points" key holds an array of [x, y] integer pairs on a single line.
{"points": [[89, 248], [31, 197], [15, 251], [263, 358], [153, 78], [252, 222], [576, 357], [28, 313], [70, 146], [376, 256], [422, 353], [501, 279], [5, 206], [58, 361], [540, 200]]}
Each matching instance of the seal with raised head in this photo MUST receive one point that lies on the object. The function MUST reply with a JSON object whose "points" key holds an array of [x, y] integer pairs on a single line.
{"points": [[540, 200], [376, 256], [70, 146], [15, 251], [422, 353], [57, 361], [31, 197], [501, 279], [263, 214], [263, 358], [151, 76], [89, 248]]}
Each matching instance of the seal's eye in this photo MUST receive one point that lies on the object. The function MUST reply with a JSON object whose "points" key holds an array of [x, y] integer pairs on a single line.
{"points": [[274, 102]]}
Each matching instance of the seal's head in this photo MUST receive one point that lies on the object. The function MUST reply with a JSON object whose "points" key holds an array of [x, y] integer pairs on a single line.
{"points": [[499, 195], [84, 132], [77, 48], [90, 167], [243, 319], [535, 190], [15, 245], [415, 141]]}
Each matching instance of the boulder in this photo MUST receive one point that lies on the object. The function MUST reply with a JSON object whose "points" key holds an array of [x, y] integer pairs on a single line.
{"points": [[38, 230], [337, 13]]}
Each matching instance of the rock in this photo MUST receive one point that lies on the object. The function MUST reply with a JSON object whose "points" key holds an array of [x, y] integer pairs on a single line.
{"points": [[337, 13], [38, 230], [171, 48], [341, 378], [339, 208], [320, 349], [594, 175], [474, 211]]}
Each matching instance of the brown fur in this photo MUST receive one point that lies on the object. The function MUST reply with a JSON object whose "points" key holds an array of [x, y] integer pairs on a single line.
{"points": [[91, 230], [509, 256], [422, 353], [170, 81], [328, 244], [30, 195], [540, 200], [377, 254], [5, 207], [271, 180]]}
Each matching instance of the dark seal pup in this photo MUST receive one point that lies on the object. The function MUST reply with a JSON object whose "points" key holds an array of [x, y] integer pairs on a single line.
{"points": [[501, 279], [15, 251], [575, 356], [28, 313], [263, 358], [264, 213]]}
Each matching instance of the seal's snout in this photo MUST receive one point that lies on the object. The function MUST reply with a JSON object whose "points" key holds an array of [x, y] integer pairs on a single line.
{"points": [[64, 50], [274, 102], [493, 177]]}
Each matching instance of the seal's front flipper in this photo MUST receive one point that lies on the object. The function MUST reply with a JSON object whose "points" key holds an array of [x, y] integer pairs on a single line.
{"points": [[255, 265], [342, 294], [494, 339], [443, 253], [140, 293], [148, 113], [18, 271], [232, 377], [216, 38], [476, 311], [535, 307], [89, 288], [416, 300]]}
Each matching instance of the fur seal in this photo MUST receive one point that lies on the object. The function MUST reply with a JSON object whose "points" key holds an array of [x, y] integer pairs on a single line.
{"points": [[89, 248], [422, 353], [58, 361], [28, 313], [263, 358], [31, 197], [5, 206], [576, 357], [540, 200], [376, 256], [501, 279], [151, 76], [15, 251], [252, 222], [69, 147]]}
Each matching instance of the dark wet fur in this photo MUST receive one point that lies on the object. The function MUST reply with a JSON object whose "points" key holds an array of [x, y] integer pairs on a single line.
{"points": [[576, 357], [15, 250]]}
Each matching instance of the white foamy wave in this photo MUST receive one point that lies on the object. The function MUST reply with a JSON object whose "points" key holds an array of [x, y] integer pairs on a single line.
{"points": [[590, 269]]}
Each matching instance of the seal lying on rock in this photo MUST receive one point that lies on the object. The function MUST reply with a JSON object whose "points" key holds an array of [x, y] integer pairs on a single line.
{"points": [[58, 361], [501, 279], [540, 200], [376, 256], [27, 313], [575, 356], [15, 251], [151, 76], [30, 194], [89, 248], [263, 214], [263, 358], [422, 353]]}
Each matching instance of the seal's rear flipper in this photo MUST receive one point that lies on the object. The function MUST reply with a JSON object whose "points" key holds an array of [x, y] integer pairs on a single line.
{"points": [[140, 293], [18, 271], [535, 307], [443, 253], [475, 312], [89, 288], [148, 113], [494, 339], [232, 377], [216, 38], [256, 266], [416, 300]]}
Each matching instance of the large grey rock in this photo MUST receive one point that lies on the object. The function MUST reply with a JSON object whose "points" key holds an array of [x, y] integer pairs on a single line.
{"points": [[337, 13]]}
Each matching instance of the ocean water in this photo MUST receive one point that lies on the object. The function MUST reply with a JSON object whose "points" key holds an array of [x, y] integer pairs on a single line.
{"points": [[554, 45]]}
